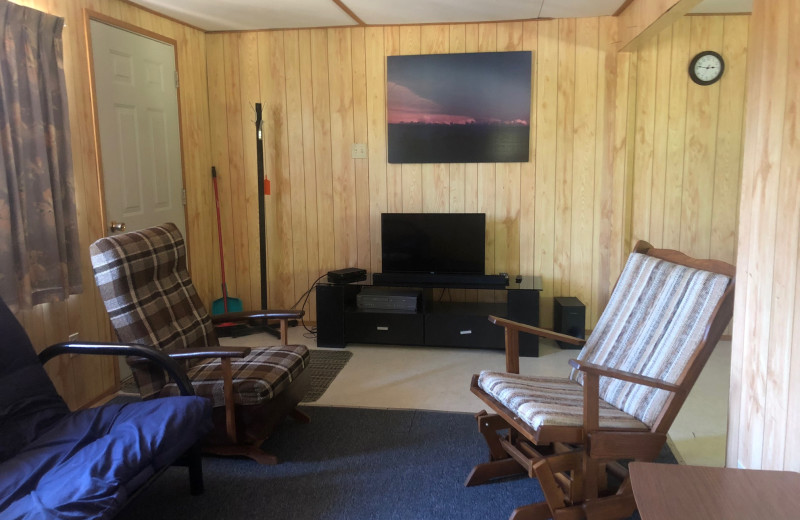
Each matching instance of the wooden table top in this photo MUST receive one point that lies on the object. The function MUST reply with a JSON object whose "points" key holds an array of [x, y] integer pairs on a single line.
{"points": [[671, 491]]}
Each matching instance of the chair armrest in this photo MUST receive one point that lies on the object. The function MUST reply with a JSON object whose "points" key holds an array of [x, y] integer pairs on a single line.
{"points": [[542, 333], [269, 314], [174, 369], [512, 330], [591, 368], [215, 352]]}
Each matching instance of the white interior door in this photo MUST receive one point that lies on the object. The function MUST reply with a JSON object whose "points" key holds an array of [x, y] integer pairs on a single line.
{"points": [[137, 106]]}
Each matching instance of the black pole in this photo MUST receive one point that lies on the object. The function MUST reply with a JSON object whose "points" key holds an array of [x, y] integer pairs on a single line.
{"points": [[262, 228]]}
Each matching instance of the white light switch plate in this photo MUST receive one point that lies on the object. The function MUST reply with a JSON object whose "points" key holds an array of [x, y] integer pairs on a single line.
{"points": [[359, 151]]}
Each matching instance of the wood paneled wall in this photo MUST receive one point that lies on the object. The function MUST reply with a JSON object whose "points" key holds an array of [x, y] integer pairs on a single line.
{"points": [[623, 146], [687, 139], [324, 90], [765, 363], [82, 379]]}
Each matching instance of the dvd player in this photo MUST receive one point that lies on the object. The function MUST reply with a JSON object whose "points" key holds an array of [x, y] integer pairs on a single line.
{"points": [[386, 299]]}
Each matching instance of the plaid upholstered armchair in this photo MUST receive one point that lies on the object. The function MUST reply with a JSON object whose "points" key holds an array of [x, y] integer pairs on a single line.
{"points": [[663, 319], [150, 300]]}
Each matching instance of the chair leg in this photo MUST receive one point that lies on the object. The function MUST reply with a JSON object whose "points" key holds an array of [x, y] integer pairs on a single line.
{"points": [[487, 471], [299, 416], [251, 452], [540, 511], [195, 464]]}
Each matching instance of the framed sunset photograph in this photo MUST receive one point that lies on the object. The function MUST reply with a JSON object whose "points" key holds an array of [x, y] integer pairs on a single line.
{"points": [[459, 108]]}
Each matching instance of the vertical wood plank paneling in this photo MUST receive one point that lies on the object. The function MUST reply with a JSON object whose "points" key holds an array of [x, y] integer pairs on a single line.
{"points": [[728, 160], [701, 129], [309, 162], [604, 240], [546, 153], [322, 146], [376, 129], [676, 133], [585, 142], [643, 152], [507, 227], [565, 134], [297, 174], [231, 180], [788, 269], [340, 74], [360, 135], [660, 129], [527, 186], [249, 288], [764, 350]]}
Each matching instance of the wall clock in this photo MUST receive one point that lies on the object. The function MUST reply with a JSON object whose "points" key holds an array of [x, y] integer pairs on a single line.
{"points": [[706, 68]]}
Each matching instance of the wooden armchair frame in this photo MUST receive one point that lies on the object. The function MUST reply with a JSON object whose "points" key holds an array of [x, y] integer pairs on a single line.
{"points": [[573, 464]]}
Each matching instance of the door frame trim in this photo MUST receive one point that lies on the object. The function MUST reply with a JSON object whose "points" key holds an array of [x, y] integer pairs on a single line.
{"points": [[88, 16]]}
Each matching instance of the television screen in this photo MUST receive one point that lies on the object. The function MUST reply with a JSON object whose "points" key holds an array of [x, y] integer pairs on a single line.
{"points": [[435, 243]]}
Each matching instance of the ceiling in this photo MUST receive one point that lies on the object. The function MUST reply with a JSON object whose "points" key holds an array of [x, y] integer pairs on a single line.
{"points": [[243, 15]]}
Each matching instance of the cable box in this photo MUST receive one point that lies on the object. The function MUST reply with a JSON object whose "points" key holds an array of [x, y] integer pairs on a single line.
{"points": [[348, 275]]}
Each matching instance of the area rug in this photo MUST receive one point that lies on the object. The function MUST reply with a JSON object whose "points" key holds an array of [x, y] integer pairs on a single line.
{"points": [[323, 367], [348, 464]]}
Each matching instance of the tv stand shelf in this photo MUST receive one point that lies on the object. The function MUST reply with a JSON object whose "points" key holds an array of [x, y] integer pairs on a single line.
{"points": [[440, 320]]}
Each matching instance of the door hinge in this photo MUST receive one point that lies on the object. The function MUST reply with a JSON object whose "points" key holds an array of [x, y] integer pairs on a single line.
{"points": [[183, 196], [177, 82]]}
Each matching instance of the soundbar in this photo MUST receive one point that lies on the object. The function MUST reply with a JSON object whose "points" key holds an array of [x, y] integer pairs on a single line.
{"points": [[463, 281]]}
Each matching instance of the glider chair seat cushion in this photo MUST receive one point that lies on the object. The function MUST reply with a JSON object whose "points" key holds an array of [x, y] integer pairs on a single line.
{"points": [[257, 378], [549, 401]]}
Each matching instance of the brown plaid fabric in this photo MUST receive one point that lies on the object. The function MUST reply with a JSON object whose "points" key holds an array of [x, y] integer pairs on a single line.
{"points": [[150, 299], [652, 326], [256, 378]]}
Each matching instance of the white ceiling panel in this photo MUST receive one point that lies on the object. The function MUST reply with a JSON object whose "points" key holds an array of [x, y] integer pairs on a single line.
{"points": [[391, 12], [242, 15], [724, 6], [579, 8]]}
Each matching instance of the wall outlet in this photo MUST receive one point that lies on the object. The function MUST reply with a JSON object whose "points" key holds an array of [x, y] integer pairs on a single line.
{"points": [[359, 151]]}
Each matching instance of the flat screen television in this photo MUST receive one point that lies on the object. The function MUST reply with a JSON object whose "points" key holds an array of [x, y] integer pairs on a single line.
{"points": [[434, 243]]}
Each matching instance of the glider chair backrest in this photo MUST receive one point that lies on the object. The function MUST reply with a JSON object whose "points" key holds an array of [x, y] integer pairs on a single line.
{"points": [[149, 296], [653, 326]]}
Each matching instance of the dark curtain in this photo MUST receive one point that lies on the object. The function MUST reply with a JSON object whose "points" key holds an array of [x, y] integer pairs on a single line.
{"points": [[39, 250]]}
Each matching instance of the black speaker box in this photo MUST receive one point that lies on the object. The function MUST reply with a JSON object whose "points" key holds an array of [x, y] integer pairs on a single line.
{"points": [[569, 317]]}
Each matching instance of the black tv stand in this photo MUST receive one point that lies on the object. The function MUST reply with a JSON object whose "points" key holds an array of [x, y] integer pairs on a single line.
{"points": [[463, 281], [443, 318]]}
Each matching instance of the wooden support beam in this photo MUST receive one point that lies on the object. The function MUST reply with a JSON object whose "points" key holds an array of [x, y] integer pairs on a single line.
{"points": [[644, 19]]}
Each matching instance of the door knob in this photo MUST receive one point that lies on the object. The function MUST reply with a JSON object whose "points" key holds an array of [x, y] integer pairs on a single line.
{"points": [[117, 226]]}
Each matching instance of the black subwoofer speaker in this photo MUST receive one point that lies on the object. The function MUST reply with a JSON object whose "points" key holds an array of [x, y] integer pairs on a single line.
{"points": [[569, 317]]}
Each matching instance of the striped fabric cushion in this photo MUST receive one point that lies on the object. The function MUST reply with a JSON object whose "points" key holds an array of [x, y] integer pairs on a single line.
{"points": [[652, 326], [257, 378], [549, 401], [143, 280]]}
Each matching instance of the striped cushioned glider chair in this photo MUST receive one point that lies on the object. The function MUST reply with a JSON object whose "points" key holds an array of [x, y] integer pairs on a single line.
{"points": [[151, 301], [663, 319]]}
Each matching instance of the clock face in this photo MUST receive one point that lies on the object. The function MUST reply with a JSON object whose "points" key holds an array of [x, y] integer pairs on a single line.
{"points": [[706, 68]]}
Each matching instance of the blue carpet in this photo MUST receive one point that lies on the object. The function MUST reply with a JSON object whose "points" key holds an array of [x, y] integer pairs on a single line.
{"points": [[348, 463]]}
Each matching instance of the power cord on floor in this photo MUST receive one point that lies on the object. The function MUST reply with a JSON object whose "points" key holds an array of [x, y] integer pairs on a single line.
{"points": [[311, 333]]}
